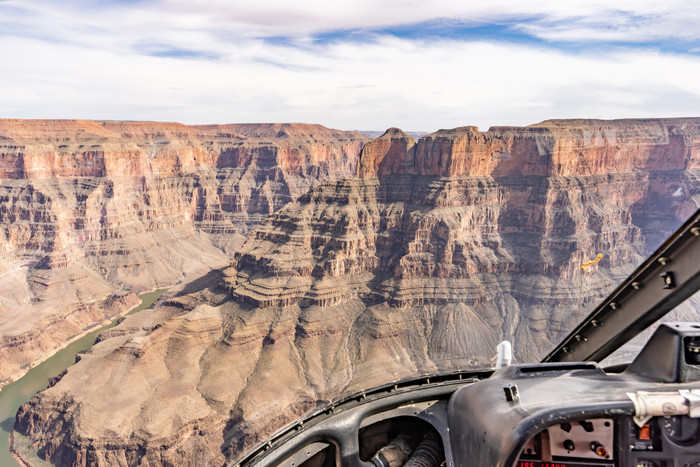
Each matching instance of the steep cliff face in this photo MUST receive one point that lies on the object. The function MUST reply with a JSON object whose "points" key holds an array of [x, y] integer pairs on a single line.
{"points": [[89, 210], [552, 148], [437, 250]]}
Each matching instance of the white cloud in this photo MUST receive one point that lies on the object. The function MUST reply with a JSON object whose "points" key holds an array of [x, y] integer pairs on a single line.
{"points": [[215, 22], [643, 26], [311, 16], [81, 62]]}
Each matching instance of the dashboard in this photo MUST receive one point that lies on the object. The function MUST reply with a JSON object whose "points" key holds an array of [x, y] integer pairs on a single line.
{"points": [[580, 417], [575, 414]]}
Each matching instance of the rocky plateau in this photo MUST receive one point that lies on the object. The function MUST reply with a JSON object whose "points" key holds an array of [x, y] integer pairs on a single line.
{"points": [[92, 213], [434, 252]]}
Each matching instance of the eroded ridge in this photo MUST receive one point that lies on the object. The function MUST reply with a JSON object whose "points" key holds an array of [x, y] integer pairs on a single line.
{"points": [[91, 210]]}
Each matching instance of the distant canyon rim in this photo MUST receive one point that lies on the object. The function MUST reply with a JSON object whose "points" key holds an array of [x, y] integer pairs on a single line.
{"points": [[331, 260]]}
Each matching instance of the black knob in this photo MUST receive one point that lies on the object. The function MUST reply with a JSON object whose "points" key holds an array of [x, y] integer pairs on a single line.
{"points": [[569, 445]]}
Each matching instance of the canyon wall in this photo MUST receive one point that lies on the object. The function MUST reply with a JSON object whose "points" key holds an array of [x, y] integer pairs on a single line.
{"points": [[436, 251], [93, 212]]}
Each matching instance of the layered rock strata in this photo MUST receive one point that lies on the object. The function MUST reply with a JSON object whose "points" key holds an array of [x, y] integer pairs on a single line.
{"points": [[91, 210], [421, 264]]}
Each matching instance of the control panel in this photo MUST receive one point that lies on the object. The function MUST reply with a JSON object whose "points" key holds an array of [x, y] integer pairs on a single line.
{"points": [[660, 442], [572, 444]]}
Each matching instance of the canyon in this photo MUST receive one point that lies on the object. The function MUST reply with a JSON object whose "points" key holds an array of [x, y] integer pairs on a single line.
{"points": [[419, 264], [93, 213]]}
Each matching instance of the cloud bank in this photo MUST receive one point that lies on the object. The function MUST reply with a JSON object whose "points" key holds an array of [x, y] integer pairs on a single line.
{"points": [[359, 65]]}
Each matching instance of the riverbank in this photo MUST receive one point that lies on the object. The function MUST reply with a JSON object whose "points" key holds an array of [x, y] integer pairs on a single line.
{"points": [[20, 391], [111, 307]]}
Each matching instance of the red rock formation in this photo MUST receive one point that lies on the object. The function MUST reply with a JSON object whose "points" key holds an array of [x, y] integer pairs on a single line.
{"points": [[551, 148], [391, 153], [40, 149], [90, 209], [421, 264]]}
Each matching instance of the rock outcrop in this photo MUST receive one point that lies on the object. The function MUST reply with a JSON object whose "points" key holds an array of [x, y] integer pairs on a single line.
{"points": [[437, 250], [92, 210]]}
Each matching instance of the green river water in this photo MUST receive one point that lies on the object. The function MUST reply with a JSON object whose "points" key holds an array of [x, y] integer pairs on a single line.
{"points": [[36, 379]]}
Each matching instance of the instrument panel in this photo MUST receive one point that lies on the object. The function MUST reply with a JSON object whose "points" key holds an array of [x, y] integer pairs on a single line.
{"points": [[572, 444], [661, 442]]}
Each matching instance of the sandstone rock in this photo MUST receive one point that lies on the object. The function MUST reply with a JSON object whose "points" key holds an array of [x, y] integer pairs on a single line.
{"points": [[550, 148], [436, 251], [387, 154], [91, 209]]}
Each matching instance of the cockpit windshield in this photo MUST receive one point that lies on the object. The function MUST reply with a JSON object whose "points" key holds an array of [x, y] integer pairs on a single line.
{"points": [[414, 269]]}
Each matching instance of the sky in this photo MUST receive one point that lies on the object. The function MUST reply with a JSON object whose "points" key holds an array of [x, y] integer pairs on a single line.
{"points": [[363, 65]]}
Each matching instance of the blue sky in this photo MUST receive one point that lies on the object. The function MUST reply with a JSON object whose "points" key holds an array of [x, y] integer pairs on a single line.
{"points": [[352, 65]]}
